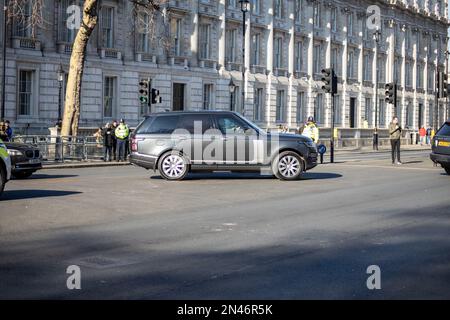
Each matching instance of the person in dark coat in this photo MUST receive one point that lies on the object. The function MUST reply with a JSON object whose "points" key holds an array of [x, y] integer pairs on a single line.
{"points": [[108, 134], [114, 140]]}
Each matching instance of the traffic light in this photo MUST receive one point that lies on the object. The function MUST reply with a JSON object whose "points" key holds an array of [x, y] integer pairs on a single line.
{"points": [[330, 81], [391, 93], [442, 85], [155, 96], [144, 85]]}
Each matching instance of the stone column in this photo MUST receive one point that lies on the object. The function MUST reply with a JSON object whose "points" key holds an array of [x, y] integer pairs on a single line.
{"points": [[222, 28]]}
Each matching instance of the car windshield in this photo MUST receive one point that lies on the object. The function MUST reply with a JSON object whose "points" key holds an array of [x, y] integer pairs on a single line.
{"points": [[252, 124], [444, 131]]}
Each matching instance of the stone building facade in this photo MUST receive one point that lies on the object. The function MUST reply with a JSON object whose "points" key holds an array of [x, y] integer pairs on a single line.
{"points": [[287, 44]]}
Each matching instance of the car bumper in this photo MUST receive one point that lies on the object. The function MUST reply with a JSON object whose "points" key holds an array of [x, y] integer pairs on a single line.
{"points": [[311, 161], [145, 161], [26, 166], [440, 158]]}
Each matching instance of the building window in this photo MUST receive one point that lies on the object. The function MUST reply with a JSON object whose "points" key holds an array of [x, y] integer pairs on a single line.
{"points": [[318, 108], [258, 104], [381, 66], [175, 26], [368, 111], [66, 34], [256, 49], [207, 96], [25, 92], [230, 39], [408, 71], [107, 27], [23, 26], [317, 15], [350, 24], [256, 6], [409, 116], [300, 107], [278, 57], [278, 8], [143, 34], [204, 40], [232, 3], [317, 59], [334, 16], [280, 106], [337, 110], [335, 63], [109, 97], [397, 68], [430, 78], [367, 67], [351, 65], [382, 108], [419, 76], [298, 56], [298, 11]]}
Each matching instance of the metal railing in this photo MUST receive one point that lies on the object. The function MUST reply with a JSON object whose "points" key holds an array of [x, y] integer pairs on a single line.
{"points": [[65, 148]]}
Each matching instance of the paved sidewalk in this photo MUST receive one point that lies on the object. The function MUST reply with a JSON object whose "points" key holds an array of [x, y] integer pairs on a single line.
{"points": [[100, 163]]}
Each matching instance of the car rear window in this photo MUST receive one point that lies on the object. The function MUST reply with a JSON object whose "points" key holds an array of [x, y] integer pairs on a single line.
{"points": [[444, 131], [162, 125], [144, 125]]}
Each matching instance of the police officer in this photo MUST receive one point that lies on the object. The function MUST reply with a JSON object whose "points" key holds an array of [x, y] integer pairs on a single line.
{"points": [[122, 132], [310, 130]]}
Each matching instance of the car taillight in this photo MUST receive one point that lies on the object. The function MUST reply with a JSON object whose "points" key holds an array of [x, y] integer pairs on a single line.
{"points": [[134, 145]]}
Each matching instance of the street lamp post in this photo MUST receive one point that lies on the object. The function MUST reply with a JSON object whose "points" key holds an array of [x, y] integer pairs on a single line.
{"points": [[245, 6], [376, 37], [60, 75], [5, 18]]}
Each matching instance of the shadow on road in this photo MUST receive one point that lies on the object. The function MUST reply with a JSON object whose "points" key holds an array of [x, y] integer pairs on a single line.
{"points": [[31, 194], [49, 176], [251, 176]]}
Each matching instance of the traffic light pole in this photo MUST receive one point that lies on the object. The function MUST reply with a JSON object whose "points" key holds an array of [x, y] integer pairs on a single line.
{"points": [[332, 129]]}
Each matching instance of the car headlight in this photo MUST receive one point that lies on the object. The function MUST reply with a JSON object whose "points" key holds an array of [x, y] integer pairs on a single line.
{"points": [[309, 143], [13, 152]]}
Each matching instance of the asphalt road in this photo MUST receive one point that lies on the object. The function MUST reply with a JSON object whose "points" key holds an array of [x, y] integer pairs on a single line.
{"points": [[229, 236]]}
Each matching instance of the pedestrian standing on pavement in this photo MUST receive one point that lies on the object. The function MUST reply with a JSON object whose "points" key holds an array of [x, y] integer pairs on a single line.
{"points": [[98, 137], [114, 139], [310, 130], [8, 131], [428, 136], [108, 134], [423, 135], [395, 132], [122, 132]]}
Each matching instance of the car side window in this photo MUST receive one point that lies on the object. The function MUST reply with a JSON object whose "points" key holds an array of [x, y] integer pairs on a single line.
{"points": [[445, 130], [163, 125], [201, 122], [231, 125]]}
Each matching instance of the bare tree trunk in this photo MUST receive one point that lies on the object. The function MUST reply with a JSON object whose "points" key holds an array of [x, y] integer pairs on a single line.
{"points": [[73, 92]]}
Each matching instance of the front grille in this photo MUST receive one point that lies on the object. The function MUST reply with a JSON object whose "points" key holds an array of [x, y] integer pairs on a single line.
{"points": [[32, 154]]}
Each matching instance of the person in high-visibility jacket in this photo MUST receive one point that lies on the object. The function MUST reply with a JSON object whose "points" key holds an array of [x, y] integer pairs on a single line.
{"points": [[310, 130], [5, 166], [122, 132]]}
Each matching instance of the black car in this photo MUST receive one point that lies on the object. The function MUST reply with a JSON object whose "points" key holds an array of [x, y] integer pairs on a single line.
{"points": [[441, 147], [25, 159], [176, 143]]}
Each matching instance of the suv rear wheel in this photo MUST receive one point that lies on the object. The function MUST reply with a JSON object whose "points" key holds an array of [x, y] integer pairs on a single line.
{"points": [[173, 166], [288, 166]]}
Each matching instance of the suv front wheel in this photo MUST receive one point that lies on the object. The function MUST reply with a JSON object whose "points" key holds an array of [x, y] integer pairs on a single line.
{"points": [[447, 169], [288, 166], [173, 166]]}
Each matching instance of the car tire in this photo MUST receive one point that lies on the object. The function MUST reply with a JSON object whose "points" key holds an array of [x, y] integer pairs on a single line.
{"points": [[288, 166], [447, 169], [23, 174], [2, 180], [173, 166]]}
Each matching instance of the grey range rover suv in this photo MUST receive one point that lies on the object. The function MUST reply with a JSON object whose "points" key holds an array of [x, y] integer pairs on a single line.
{"points": [[176, 143]]}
